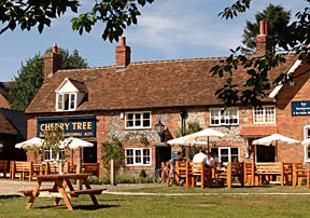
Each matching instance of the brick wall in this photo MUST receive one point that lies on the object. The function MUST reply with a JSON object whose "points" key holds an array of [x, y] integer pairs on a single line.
{"points": [[293, 126]]}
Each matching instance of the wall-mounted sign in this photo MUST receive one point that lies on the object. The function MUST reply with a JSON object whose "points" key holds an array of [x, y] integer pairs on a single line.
{"points": [[301, 108], [80, 127]]}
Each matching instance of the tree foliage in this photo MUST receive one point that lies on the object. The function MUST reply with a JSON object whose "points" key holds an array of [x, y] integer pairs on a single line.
{"points": [[114, 15], [30, 77], [278, 28], [113, 150], [257, 68]]}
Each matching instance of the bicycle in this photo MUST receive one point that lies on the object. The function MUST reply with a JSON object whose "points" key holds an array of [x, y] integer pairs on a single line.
{"points": [[172, 175], [157, 176]]}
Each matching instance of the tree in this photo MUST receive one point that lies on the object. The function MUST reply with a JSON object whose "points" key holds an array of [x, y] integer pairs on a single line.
{"points": [[257, 68], [278, 27], [30, 77], [115, 14]]}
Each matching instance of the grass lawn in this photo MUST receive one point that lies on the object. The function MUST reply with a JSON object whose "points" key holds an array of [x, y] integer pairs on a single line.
{"points": [[218, 205]]}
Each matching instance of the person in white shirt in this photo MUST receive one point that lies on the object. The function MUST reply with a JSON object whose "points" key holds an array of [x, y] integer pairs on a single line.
{"points": [[201, 157]]}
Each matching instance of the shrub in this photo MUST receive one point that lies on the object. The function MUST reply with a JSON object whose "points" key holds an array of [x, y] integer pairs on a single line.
{"points": [[142, 174]]}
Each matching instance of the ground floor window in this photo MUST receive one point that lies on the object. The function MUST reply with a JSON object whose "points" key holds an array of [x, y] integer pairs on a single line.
{"points": [[307, 148], [138, 156], [52, 155], [226, 154]]}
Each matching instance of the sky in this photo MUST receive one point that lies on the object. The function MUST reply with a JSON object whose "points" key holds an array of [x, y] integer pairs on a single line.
{"points": [[167, 29]]}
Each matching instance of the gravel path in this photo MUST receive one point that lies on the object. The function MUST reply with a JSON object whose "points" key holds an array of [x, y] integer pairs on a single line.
{"points": [[9, 187]]}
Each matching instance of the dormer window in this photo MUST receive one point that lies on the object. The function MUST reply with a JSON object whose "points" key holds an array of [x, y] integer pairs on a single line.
{"points": [[69, 95], [67, 101]]}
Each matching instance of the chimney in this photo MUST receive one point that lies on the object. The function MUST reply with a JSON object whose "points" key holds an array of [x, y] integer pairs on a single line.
{"points": [[122, 54], [52, 62], [262, 39]]}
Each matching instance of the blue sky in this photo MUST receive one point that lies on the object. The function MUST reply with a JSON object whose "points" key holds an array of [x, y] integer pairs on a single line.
{"points": [[168, 29]]}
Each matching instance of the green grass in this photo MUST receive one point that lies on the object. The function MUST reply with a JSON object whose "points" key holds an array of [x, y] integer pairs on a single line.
{"points": [[215, 206]]}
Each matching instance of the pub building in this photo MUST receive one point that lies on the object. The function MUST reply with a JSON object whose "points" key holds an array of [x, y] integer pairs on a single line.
{"points": [[135, 97]]}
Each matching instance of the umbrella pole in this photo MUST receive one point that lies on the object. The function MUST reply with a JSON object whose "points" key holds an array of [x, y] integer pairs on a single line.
{"points": [[208, 144]]}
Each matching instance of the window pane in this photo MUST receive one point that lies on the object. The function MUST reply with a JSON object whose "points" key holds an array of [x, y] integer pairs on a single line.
{"points": [[66, 101], [129, 152], [60, 100], [224, 151], [46, 155], [146, 115], [72, 101], [138, 123], [129, 123], [224, 159], [129, 160], [234, 151], [307, 133], [146, 123], [129, 116], [138, 116]]}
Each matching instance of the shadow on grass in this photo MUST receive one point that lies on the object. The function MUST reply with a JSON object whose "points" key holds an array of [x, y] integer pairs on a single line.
{"points": [[9, 196], [78, 207]]}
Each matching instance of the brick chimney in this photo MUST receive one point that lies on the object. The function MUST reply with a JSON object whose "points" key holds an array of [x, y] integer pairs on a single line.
{"points": [[122, 54], [52, 62], [262, 39]]}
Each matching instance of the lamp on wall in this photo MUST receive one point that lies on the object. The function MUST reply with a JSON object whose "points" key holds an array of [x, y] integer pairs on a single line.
{"points": [[160, 129]]}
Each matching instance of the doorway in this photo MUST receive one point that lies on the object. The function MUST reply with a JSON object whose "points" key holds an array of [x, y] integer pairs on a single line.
{"points": [[90, 154], [265, 153], [163, 154]]}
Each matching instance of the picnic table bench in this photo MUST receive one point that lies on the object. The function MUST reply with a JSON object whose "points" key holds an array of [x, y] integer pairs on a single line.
{"points": [[62, 189]]}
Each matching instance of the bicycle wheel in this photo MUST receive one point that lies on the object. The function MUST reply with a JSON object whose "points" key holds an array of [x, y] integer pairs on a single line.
{"points": [[157, 176]]}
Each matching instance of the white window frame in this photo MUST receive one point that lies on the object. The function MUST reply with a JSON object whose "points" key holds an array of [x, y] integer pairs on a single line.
{"points": [[51, 155], [134, 157], [306, 128], [229, 153], [219, 115], [264, 115], [74, 94], [141, 114]]}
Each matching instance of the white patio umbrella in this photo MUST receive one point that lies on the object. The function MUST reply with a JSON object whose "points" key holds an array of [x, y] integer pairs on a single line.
{"points": [[199, 138], [33, 142], [274, 138], [306, 142], [73, 143]]}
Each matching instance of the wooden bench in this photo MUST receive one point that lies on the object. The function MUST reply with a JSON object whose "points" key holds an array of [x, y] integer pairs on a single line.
{"points": [[91, 168], [23, 168], [76, 193], [197, 172], [300, 171], [270, 169], [3, 167], [180, 171]]}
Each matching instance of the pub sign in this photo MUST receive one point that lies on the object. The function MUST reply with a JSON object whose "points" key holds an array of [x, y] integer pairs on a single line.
{"points": [[301, 108], [79, 127]]}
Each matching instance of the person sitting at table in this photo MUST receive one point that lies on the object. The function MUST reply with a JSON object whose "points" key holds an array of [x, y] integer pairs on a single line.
{"points": [[201, 157]]}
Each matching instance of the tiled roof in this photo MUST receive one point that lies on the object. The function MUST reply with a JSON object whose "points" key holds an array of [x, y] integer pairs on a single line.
{"points": [[5, 87], [5, 126], [142, 85]]}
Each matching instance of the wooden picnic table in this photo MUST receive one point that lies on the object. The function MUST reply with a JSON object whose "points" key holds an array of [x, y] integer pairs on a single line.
{"points": [[61, 188]]}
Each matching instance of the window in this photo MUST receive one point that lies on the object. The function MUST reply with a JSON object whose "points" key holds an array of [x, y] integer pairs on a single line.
{"points": [[307, 148], [52, 155], [66, 102], [265, 114], [219, 116], [226, 154], [138, 120], [138, 156]]}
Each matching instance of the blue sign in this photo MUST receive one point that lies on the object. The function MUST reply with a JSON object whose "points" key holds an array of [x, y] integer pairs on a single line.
{"points": [[80, 127], [301, 108]]}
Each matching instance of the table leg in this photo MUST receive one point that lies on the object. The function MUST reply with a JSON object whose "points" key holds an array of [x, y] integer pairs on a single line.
{"points": [[62, 191], [56, 200], [34, 195], [92, 196]]}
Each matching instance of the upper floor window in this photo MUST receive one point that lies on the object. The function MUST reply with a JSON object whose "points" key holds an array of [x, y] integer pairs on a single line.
{"points": [[52, 155], [66, 102], [219, 116], [264, 115], [69, 95], [138, 120]]}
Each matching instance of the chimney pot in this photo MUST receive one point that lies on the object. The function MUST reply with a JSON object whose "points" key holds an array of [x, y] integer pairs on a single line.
{"points": [[123, 41], [54, 48]]}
